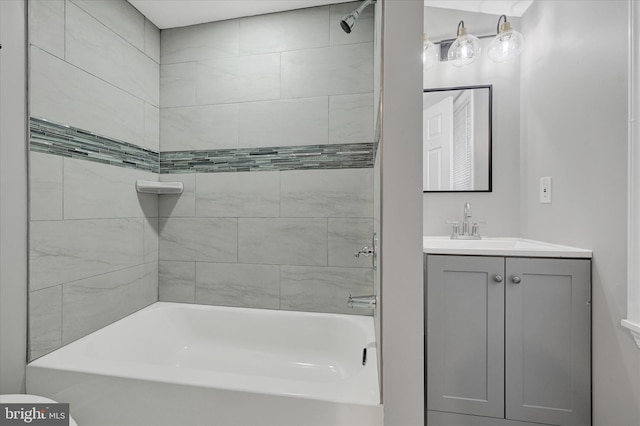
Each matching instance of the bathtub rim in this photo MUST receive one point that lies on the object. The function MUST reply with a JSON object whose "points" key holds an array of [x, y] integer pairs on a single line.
{"points": [[59, 359]]}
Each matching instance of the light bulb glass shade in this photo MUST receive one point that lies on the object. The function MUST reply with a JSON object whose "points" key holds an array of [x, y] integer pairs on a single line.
{"points": [[506, 46], [430, 54], [465, 50]]}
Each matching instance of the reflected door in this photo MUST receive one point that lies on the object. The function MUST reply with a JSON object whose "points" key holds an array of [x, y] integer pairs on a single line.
{"points": [[438, 139]]}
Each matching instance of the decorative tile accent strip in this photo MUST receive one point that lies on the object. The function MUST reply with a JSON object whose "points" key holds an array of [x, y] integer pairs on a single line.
{"points": [[67, 141], [303, 157]]}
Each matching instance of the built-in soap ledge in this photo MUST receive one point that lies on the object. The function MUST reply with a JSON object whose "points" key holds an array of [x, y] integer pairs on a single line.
{"points": [[149, 187]]}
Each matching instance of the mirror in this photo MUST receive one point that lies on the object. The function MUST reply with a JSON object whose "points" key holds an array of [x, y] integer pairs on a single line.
{"points": [[456, 139]]}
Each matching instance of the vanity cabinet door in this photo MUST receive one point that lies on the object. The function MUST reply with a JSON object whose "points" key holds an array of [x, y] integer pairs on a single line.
{"points": [[465, 335], [548, 340]]}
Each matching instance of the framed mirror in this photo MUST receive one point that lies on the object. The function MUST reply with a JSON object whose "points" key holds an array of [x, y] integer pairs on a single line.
{"points": [[456, 139]]}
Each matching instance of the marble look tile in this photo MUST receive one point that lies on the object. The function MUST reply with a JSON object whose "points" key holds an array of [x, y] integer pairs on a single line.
{"points": [[277, 32], [94, 190], [93, 303], [89, 103], [151, 127], [239, 194], [199, 127], [199, 239], [68, 250], [282, 241], [178, 84], [150, 241], [238, 79], [199, 42], [233, 284], [177, 281], [336, 70], [284, 123], [179, 205], [46, 25], [327, 193], [318, 289], [151, 40], [119, 16], [45, 321], [361, 33], [46, 186], [346, 236], [97, 50], [351, 118]]}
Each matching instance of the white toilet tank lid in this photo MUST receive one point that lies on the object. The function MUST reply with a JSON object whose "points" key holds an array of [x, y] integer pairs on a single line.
{"points": [[20, 398]]}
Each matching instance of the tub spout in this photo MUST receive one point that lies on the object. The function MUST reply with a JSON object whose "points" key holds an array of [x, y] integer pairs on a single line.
{"points": [[362, 301]]}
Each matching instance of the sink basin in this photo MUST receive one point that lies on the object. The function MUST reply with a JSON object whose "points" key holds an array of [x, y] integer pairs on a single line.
{"points": [[501, 247]]}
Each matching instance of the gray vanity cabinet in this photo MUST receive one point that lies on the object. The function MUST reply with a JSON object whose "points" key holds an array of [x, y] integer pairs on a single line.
{"points": [[508, 339], [465, 340]]}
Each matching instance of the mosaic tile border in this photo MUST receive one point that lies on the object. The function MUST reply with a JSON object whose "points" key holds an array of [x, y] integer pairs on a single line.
{"points": [[303, 157], [57, 139]]}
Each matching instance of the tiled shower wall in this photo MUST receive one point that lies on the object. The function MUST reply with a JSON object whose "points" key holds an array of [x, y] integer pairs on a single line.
{"points": [[282, 238], [269, 239], [93, 239]]}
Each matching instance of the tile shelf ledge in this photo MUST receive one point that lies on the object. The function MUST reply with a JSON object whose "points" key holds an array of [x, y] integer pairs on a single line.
{"points": [[150, 187], [634, 328]]}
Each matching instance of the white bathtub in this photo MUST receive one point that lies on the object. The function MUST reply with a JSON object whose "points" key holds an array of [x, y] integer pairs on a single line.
{"points": [[179, 364]]}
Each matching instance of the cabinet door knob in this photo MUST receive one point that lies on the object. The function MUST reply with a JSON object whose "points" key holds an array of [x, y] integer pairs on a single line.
{"points": [[498, 278], [515, 279]]}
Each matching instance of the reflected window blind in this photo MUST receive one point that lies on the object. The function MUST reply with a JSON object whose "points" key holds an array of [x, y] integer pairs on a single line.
{"points": [[462, 152]]}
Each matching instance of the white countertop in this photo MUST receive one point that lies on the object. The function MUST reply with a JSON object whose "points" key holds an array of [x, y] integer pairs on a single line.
{"points": [[517, 247]]}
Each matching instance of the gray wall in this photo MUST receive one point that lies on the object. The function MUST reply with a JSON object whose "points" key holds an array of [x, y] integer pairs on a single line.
{"points": [[13, 198], [401, 242], [499, 208], [377, 190], [93, 239], [574, 129], [267, 239]]}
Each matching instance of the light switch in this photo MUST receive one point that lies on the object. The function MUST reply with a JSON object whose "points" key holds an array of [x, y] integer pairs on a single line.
{"points": [[545, 190]]}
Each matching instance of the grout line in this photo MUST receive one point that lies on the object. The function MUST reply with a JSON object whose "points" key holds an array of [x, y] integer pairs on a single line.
{"points": [[61, 314], [195, 280], [280, 75], [327, 239], [120, 89], [64, 36], [118, 35], [271, 52]]}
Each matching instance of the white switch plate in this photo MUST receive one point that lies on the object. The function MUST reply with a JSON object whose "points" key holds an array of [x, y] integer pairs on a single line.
{"points": [[545, 190]]}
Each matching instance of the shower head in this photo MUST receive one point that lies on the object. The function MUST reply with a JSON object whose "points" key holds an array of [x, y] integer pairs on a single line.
{"points": [[349, 20]]}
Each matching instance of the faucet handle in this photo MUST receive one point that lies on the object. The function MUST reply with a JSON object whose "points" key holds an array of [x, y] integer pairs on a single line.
{"points": [[455, 230], [475, 229]]}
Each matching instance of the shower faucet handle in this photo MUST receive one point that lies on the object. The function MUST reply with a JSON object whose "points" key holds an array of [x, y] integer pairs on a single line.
{"points": [[365, 251]]}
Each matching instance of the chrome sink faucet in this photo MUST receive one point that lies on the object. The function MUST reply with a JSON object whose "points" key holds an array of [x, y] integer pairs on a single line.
{"points": [[465, 218], [470, 230]]}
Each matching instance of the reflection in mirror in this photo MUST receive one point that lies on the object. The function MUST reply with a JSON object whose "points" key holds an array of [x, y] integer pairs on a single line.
{"points": [[456, 139]]}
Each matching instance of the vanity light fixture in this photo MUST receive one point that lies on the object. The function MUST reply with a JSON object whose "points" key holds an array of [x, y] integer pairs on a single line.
{"points": [[507, 44], [429, 52], [466, 49]]}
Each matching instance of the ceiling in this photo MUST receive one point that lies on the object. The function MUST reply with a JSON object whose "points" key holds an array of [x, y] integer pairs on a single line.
{"points": [[180, 13], [492, 7]]}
